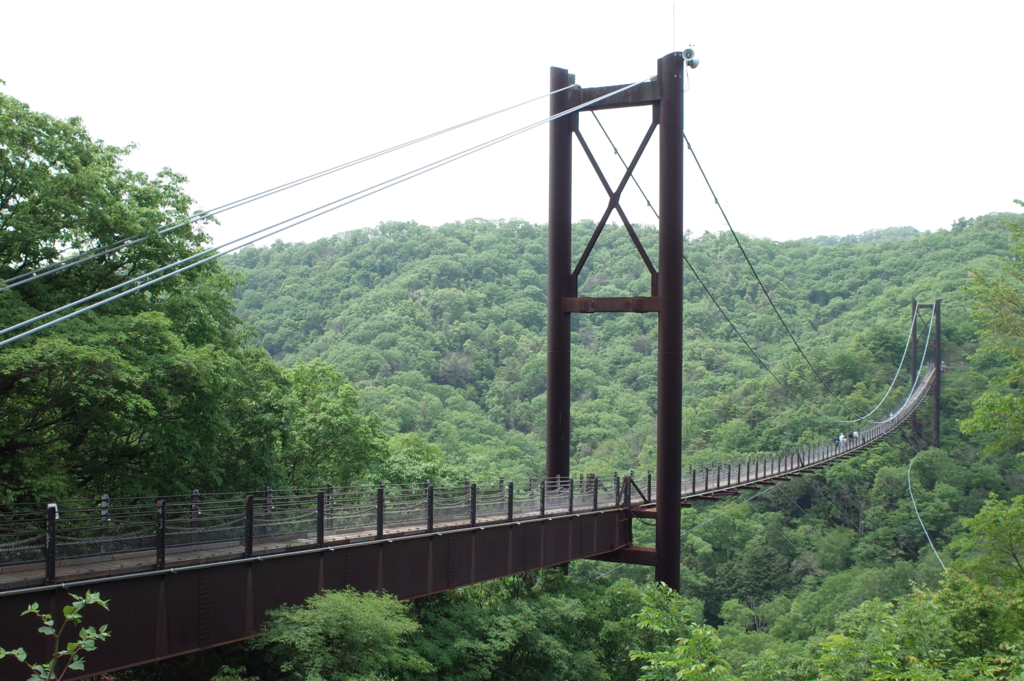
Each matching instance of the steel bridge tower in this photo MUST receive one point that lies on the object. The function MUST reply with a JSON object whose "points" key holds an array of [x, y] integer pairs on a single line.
{"points": [[933, 343], [665, 97]]}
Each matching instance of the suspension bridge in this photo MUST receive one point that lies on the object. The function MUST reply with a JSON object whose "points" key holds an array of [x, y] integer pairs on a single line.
{"points": [[189, 572]]}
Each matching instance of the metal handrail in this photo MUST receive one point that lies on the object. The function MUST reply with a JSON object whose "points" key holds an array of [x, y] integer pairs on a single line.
{"points": [[43, 540]]}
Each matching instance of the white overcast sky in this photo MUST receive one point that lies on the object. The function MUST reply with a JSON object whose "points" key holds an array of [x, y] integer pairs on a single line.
{"points": [[810, 117]]}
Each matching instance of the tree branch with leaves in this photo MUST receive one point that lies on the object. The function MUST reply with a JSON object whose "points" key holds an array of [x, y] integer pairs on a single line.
{"points": [[70, 657]]}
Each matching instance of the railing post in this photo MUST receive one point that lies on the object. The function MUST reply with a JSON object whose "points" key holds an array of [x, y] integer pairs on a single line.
{"points": [[571, 490], [649, 487], [161, 535], [194, 516], [330, 508], [618, 496], [248, 525], [707, 477], [319, 519], [50, 548], [430, 507], [380, 511], [543, 490], [472, 504], [597, 486], [511, 500], [104, 519], [693, 484], [268, 511]]}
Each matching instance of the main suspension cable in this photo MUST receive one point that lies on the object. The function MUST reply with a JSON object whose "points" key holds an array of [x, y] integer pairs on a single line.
{"points": [[735, 330], [764, 365], [280, 227], [758, 278], [920, 366], [731, 508], [625, 165], [99, 251], [913, 502]]}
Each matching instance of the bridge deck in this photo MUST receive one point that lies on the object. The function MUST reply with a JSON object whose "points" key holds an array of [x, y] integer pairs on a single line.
{"points": [[206, 589]]}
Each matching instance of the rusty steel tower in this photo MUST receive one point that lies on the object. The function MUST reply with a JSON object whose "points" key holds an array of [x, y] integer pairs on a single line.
{"points": [[664, 94], [933, 343]]}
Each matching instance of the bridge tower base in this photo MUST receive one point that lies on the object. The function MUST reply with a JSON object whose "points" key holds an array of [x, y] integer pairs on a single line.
{"points": [[665, 96]]}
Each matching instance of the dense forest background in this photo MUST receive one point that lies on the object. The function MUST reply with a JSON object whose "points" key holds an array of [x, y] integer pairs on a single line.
{"points": [[405, 352], [443, 333]]}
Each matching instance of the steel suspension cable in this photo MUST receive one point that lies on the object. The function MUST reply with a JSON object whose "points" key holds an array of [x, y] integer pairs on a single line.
{"points": [[735, 330], [920, 366], [280, 227], [764, 365], [625, 165], [918, 513], [854, 558], [758, 278], [99, 251], [731, 508], [849, 521]]}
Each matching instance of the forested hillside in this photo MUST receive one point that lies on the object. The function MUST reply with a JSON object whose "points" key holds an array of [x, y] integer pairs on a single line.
{"points": [[442, 332], [405, 352], [159, 392]]}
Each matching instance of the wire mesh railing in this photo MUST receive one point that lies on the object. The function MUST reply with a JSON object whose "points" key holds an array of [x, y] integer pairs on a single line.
{"points": [[42, 542]]}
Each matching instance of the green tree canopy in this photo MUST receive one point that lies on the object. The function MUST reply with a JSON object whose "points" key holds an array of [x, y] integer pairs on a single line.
{"points": [[999, 305]]}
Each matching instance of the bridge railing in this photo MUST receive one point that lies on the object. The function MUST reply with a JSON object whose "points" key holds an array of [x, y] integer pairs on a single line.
{"points": [[41, 542]]}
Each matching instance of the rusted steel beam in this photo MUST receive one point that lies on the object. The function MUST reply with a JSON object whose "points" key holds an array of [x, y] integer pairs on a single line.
{"points": [[636, 304], [937, 389], [643, 94], [669, 114], [631, 555], [559, 274], [172, 612], [613, 204], [914, 308]]}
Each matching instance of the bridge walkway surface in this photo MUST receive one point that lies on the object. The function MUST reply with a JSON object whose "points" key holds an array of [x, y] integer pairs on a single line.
{"points": [[192, 572]]}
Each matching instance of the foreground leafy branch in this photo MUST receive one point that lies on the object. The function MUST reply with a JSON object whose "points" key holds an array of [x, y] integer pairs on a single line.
{"points": [[71, 656]]}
